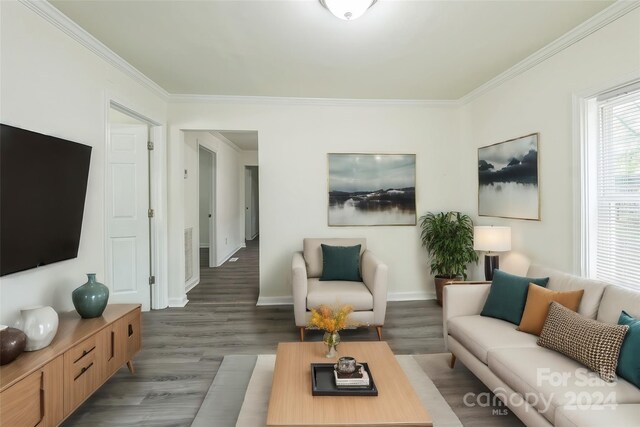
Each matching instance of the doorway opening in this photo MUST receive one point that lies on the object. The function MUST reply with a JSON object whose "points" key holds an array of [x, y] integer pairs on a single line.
{"points": [[251, 202], [207, 206], [221, 214]]}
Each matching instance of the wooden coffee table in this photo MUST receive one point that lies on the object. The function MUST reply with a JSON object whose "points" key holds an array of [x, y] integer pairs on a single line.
{"points": [[291, 402]]}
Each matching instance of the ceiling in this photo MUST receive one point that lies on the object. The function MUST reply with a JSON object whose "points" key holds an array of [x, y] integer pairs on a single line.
{"points": [[243, 139], [397, 50]]}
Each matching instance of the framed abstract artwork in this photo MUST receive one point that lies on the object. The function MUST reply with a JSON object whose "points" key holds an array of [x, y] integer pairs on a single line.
{"points": [[372, 189], [508, 177]]}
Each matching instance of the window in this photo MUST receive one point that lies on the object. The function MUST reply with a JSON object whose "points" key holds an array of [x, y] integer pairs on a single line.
{"points": [[612, 188]]}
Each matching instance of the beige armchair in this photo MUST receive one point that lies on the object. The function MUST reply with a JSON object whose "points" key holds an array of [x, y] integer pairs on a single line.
{"points": [[368, 298]]}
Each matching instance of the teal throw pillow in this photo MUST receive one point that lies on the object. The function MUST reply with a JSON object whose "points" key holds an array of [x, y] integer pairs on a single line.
{"points": [[341, 263], [629, 360], [508, 296]]}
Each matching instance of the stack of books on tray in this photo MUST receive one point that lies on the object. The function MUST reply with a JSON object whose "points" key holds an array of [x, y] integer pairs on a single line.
{"points": [[357, 379]]}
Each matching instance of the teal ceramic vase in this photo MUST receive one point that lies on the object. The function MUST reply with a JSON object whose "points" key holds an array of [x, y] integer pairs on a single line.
{"points": [[90, 299]]}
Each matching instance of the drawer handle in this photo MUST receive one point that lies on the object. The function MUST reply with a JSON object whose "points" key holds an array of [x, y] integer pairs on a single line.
{"points": [[130, 329], [84, 353], [85, 369]]}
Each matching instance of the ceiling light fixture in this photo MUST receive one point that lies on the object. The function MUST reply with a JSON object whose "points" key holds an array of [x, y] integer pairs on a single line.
{"points": [[347, 9]]}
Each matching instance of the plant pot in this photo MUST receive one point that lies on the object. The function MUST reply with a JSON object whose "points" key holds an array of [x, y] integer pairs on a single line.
{"points": [[441, 282]]}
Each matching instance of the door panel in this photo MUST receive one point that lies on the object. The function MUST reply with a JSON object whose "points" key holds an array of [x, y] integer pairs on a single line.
{"points": [[127, 222]]}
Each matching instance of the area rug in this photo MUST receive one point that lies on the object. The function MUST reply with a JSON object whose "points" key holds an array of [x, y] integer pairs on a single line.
{"points": [[239, 394]]}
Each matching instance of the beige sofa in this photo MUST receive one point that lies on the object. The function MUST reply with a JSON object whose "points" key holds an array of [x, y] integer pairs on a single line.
{"points": [[368, 298], [540, 386]]}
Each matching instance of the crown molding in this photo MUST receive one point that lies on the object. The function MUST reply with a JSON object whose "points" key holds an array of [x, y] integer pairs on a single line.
{"points": [[230, 143], [588, 27], [333, 102], [47, 11], [69, 27]]}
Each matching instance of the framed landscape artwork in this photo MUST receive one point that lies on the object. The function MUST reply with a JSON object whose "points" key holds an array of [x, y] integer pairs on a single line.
{"points": [[372, 189], [508, 179]]}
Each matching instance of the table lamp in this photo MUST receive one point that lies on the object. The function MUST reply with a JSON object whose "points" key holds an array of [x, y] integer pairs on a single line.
{"points": [[491, 239]]}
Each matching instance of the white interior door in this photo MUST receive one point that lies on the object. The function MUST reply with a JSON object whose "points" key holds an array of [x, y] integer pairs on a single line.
{"points": [[127, 220], [248, 198], [213, 254]]}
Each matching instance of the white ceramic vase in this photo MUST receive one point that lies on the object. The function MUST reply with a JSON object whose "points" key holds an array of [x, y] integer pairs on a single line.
{"points": [[40, 324]]}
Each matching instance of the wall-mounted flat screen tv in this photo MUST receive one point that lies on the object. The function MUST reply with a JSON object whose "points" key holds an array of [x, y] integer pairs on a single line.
{"points": [[43, 184]]}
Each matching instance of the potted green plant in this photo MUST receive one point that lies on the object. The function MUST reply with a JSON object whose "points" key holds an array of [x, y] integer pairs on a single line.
{"points": [[448, 238]]}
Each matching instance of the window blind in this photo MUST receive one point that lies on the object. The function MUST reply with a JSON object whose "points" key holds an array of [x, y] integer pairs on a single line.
{"points": [[616, 240]]}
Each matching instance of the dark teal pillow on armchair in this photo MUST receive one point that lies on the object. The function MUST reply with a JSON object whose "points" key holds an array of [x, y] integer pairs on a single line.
{"points": [[629, 360], [508, 296], [341, 263]]}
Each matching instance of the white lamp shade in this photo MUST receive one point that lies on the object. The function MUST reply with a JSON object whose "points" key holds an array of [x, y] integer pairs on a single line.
{"points": [[491, 239], [348, 9]]}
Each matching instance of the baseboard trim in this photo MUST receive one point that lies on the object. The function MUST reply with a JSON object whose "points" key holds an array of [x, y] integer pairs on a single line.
{"points": [[191, 284], [285, 300], [410, 296], [178, 302], [229, 256]]}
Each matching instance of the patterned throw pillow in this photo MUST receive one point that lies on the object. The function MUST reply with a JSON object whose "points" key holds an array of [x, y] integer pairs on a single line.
{"points": [[594, 344]]}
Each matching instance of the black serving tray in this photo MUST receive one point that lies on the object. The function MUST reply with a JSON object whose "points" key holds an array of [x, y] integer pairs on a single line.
{"points": [[323, 382]]}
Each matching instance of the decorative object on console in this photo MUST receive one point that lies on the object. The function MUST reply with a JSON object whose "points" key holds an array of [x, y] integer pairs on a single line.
{"points": [[346, 365], [508, 296], [331, 321], [341, 263], [508, 179], [537, 306], [594, 344], [12, 344], [491, 239], [629, 361], [347, 10], [372, 189], [448, 238], [40, 324], [90, 299]]}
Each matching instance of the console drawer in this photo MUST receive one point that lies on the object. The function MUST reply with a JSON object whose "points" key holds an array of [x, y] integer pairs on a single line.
{"points": [[82, 373], [23, 403], [36, 400]]}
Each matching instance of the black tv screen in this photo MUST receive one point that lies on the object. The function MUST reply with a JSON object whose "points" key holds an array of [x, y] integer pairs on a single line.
{"points": [[43, 184]]}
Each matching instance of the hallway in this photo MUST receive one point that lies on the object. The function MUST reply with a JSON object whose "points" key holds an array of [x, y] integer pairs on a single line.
{"points": [[231, 283]]}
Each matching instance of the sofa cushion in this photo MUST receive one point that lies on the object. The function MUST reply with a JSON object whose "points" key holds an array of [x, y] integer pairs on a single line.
{"points": [[480, 334], [508, 296], [616, 299], [338, 292], [548, 380], [559, 281], [592, 343], [615, 415], [340, 263], [312, 252], [629, 362], [537, 307]]}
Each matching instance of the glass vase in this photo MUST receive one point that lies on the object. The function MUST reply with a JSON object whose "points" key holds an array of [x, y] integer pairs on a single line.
{"points": [[331, 340]]}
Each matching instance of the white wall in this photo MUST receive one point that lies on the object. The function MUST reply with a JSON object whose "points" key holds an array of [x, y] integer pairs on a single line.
{"points": [[540, 100], [294, 142], [50, 84]]}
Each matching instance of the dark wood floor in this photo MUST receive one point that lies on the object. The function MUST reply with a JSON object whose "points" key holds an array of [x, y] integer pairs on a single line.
{"points": [[232, 282], [183, 347]]}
